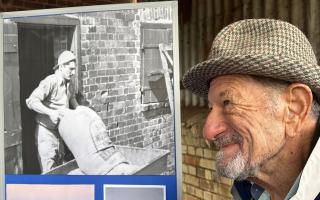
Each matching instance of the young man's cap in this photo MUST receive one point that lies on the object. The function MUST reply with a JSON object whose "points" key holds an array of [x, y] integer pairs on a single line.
{"points": [[65, 57]]}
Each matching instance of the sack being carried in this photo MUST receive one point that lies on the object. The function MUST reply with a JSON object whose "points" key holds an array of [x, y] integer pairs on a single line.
{"points": [[86, 136]]}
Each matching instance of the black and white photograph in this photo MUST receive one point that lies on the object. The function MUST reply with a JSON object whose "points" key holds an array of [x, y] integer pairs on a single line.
{"points": [[90, 93], [49, 192], [134, 192]]}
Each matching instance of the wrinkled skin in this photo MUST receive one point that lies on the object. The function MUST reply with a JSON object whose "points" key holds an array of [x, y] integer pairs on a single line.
{"points": [[245, 123]]}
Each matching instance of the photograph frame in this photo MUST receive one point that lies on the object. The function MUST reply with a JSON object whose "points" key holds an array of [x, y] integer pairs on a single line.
{"points": [[56, 191], [176, 87], [163, 187]]}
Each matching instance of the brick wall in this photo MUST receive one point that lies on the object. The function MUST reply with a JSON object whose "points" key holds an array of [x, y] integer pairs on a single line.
{"points": [[200, 181], [111, 79]]}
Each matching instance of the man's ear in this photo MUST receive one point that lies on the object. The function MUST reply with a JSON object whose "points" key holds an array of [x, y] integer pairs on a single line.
{"points": [[299, 102], [61, 66]]}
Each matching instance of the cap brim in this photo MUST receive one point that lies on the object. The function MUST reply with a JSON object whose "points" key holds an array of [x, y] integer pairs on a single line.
{"points": [[198, 78]]}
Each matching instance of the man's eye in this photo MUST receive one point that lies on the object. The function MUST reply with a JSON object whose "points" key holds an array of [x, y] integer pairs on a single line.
{"points": [[226, 102]]}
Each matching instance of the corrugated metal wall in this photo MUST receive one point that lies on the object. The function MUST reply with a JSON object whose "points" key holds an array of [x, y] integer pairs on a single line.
{"points": [[201, 20]]}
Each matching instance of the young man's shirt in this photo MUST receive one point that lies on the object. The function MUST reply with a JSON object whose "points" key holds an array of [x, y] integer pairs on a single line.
{"points": [[55, 93]]}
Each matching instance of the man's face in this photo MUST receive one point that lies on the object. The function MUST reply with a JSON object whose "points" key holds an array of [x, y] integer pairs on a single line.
{"points": [[68, 70], [245, 124]]}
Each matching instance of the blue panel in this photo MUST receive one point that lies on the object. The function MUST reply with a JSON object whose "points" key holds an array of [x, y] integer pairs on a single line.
{"points": [[170, 182]]}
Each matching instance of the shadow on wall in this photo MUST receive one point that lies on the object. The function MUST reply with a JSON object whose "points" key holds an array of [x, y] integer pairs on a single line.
{"points": [[156, 112]]}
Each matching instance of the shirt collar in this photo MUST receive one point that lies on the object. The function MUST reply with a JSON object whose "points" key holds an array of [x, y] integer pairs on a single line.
{"points": [[294, 188], [241, 189], [60, 79]]}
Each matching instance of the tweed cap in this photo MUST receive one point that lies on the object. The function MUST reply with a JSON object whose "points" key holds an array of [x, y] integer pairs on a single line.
{"points": [[260, 47]]}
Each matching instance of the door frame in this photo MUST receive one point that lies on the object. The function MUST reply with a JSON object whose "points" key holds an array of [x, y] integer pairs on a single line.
{"points": [[58, 21]]}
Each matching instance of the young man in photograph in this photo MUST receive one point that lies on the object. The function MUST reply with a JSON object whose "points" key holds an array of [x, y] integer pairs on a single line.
{"points": [[54, 94]]}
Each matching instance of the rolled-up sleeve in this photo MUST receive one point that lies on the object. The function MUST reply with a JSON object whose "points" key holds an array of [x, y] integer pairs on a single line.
{"points": [[40, 93]]}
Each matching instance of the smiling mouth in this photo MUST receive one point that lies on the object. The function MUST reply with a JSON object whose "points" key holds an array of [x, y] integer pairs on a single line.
{"points": [[228, 145], [225, 141]]}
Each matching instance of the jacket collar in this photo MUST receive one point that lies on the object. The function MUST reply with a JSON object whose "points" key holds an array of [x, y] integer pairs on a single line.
{"points": [[309, 186]]}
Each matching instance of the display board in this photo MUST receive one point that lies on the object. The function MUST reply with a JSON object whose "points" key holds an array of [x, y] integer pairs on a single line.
{"points": [[90, 102]]}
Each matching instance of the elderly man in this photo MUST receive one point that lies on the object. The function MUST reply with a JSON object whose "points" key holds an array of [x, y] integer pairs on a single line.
{"points": [[262, 82], [53, 94]]}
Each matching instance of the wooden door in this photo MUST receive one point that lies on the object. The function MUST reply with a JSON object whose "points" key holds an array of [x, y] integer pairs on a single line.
{"points": [[12, 117], [35, 65], [39, 48]]}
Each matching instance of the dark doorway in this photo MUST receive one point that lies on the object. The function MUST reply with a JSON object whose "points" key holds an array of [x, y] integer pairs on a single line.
{"points": [[39, 46]]}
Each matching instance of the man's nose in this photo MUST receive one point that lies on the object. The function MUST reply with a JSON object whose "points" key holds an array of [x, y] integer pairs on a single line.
{"points": [[214, 125]]}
